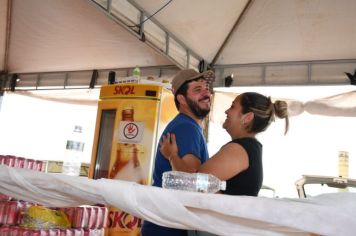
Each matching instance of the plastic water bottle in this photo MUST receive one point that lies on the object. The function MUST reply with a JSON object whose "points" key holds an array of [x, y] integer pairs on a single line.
{"points": [[73, 153], [194, 182], [136, 73]]}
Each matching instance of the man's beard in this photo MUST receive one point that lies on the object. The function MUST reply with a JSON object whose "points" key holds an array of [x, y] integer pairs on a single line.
{"points": [[197, 111]]}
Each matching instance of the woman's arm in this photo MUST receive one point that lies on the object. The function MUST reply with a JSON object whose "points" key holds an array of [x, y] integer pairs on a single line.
{"points": [[230, 160], [169, 149]]}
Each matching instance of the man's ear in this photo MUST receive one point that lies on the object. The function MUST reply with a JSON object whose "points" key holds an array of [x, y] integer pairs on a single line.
{"points": [[181, 99]]}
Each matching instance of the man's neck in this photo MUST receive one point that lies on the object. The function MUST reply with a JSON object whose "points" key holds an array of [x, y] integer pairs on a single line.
{"points": [[191, 115]]}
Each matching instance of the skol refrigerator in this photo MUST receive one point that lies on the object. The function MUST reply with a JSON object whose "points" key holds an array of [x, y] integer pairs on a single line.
{"points": [[130, 120]]}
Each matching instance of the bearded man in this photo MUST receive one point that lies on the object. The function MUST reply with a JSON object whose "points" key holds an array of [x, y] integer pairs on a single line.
{"points": [[192, 94]]}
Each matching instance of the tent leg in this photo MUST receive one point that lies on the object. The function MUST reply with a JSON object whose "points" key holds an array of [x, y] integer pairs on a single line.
{"points": [[3, 77]]}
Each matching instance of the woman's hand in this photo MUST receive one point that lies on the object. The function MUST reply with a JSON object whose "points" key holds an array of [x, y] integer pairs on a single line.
{"points": [[168, 146]]}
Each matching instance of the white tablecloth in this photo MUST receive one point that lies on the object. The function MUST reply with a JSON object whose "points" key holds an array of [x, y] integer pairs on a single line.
{"points": [[327, 214]]}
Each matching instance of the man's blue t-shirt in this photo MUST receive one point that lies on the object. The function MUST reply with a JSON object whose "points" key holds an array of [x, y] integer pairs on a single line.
{"points": [[190, 140]]}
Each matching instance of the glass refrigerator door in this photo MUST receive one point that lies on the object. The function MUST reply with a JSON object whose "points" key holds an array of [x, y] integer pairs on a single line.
{"points": [[134, 139], [101, 169]]}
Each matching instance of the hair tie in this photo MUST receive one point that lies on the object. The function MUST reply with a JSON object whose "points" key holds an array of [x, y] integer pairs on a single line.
{"points": [[273, 113]]}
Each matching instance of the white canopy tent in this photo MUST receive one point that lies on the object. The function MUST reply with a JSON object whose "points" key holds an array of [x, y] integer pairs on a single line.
{"points": [[262, 42], [58, 43]]}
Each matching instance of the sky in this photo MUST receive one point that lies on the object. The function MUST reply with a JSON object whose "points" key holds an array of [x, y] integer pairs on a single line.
{"points": [[38, 129]]}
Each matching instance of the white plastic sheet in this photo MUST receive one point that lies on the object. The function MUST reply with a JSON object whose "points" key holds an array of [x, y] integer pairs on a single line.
{"points": [[328, 214], [343, 105]]}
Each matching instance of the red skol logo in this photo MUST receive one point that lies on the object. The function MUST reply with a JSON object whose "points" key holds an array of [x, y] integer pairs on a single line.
{"points": [[123, 220], [124, 89]]}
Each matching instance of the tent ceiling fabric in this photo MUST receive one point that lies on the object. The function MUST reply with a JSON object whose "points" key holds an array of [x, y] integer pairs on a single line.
{"points": [[293, 30], [65, 35], [201, 24], [270, 30]]}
